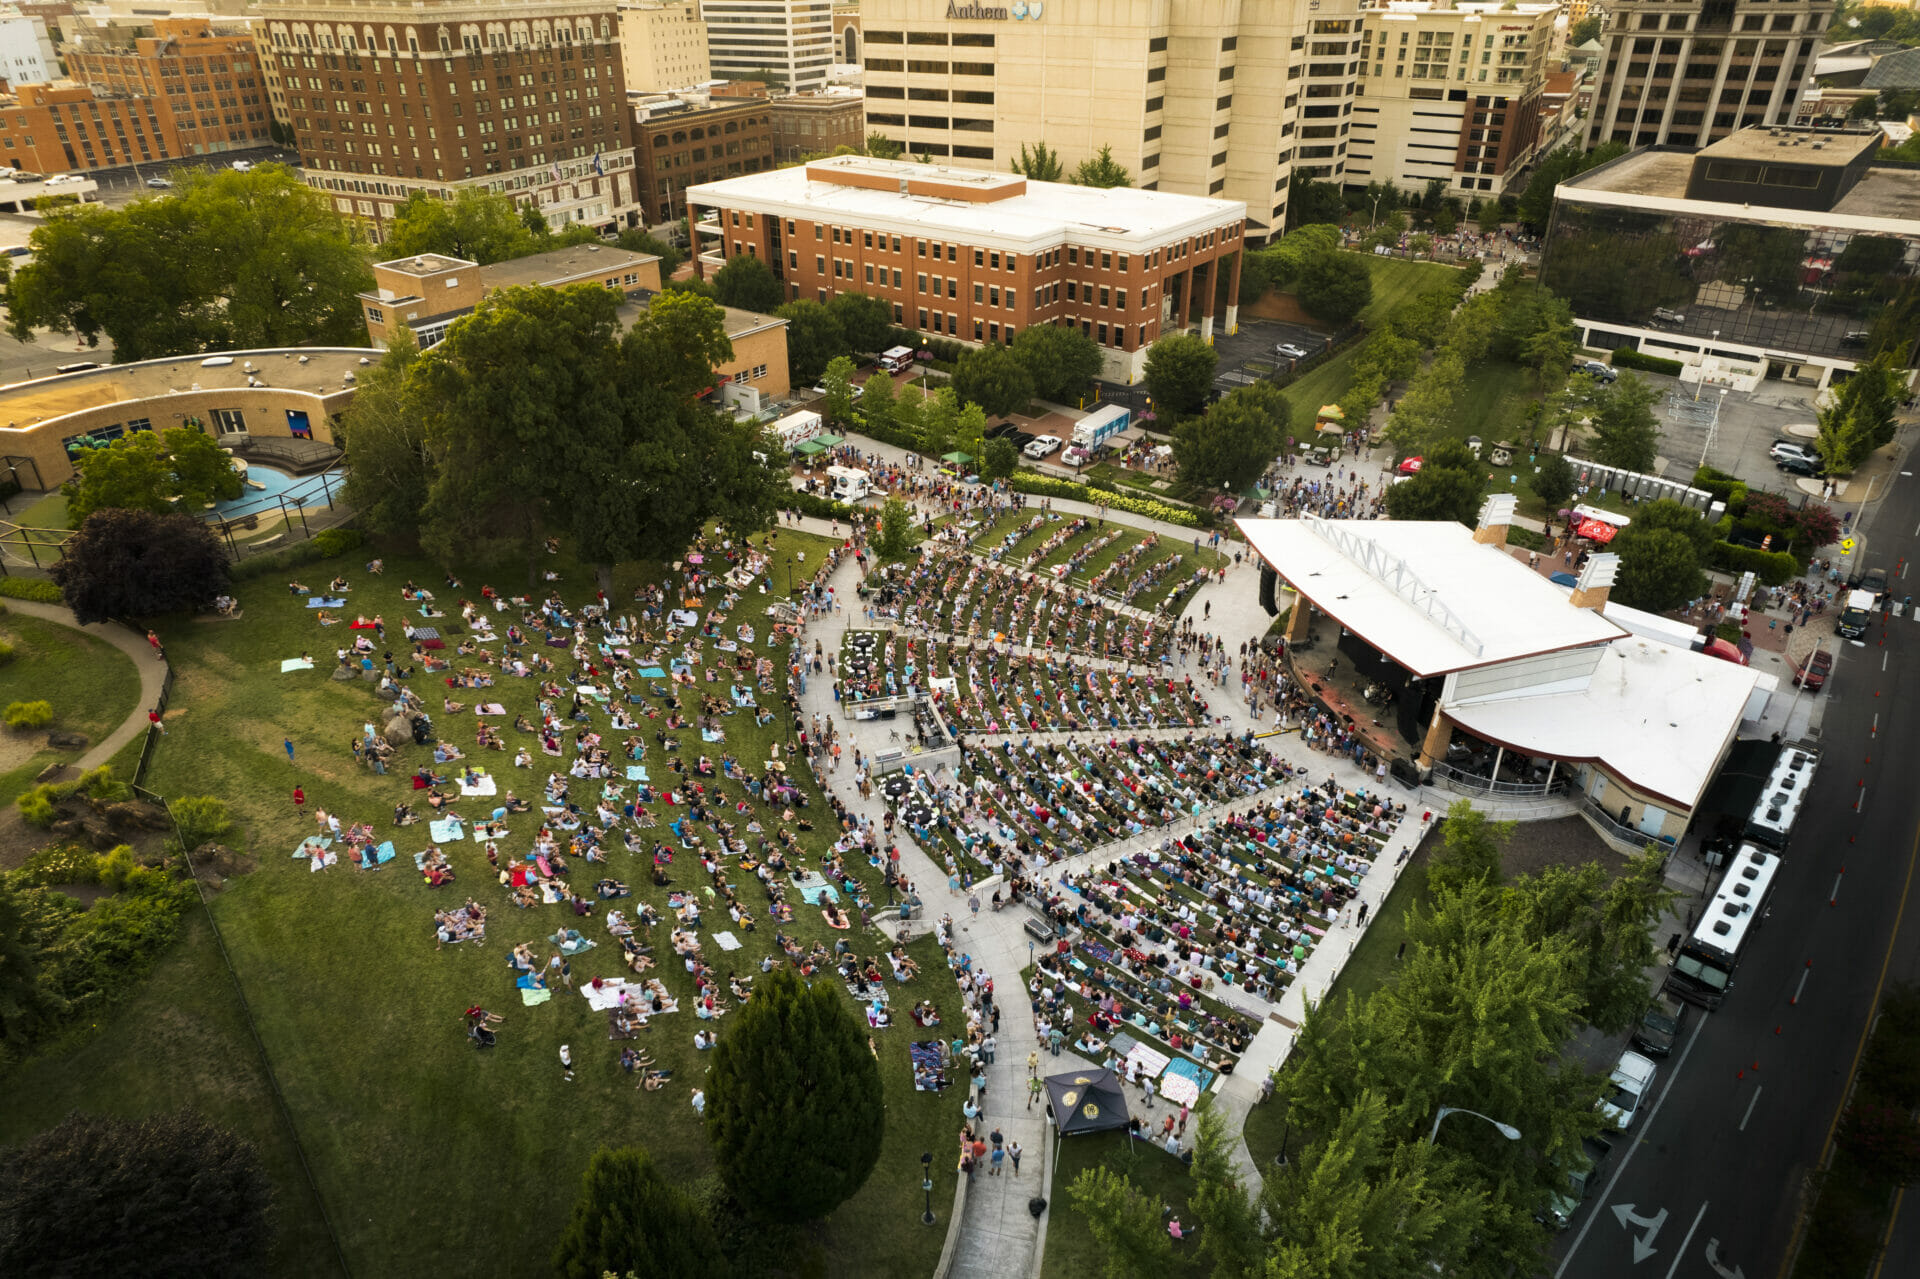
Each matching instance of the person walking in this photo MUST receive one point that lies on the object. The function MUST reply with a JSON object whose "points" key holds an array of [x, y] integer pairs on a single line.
{"points": [[288, 744], [1033, 1064], [153, 718], [1013, 1153], [299, 800], [566, 1063], [1034, 1087], [973, 904]]}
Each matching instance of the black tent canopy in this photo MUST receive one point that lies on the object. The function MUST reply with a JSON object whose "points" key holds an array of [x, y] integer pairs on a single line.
{"points": [[1087, 1101]]}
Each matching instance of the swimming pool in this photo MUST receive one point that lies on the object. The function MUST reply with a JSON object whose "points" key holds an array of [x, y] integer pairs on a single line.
{"points": [[277, 486]]}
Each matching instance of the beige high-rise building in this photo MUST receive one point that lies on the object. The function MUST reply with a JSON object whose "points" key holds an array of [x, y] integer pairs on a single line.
{"points": [[664, 46], [1449, 94], [1199, 97], [1688, 75]]}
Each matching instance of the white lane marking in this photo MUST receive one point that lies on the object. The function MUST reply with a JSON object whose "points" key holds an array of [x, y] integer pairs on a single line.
{"points": [[1675, 1267], [1801, 988], [1750, 1106]]}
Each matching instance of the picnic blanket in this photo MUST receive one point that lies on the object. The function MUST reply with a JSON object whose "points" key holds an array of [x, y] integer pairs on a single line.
{"points": [[378, 856], [484, 786], [652, 672], [1149, 1062], [636, 772], [426, 632], [726, 941], [295, 664], [311, 845], [532, 997], [607, 996], [322, 601], [814, 889], [489, 708], [571, 942], [447, 830], [1183, 1081]]}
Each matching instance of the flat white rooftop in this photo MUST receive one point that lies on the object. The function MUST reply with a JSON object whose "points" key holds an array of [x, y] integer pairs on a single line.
{"points": [[1044, 211], [1424, 592], [1656, 715]]}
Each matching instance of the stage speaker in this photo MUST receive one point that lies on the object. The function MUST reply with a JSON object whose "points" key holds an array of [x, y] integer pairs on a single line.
{"points": [[1269, 580]]}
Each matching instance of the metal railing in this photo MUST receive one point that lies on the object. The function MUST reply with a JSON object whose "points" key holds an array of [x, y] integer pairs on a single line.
{"points": [[1626, 839], [1464, 783]]}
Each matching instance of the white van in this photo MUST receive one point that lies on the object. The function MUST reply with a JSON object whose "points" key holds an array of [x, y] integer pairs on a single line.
{"points": [[1855, 616], [849, 483], [896, 359]]}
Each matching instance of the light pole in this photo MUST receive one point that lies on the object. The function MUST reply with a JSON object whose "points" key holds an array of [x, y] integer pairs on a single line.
{"points": [[926, 1186], [1506, 1130]]}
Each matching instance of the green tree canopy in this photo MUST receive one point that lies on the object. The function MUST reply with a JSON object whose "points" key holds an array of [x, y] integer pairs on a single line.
{"points": [[1470, 849], [999, 459], [877, 399], [1310, 201], [1180, 371], [1102, 170], [1659, 569], [1862, 414], [1125, 1223], [882, 147], [864, 321], [1424, 415], [838, 381], [181, 468], [1447, 487], [227, 261], [746, 282], [1042, 164], [1626, 434], [1235, 440], [1059, 358], [481, 226], [1588, 28], [995, 378], [1555, 481], [168, 1195], [814, 338], [638, 240], [1334, 287], [630, 1220], [794, 1105]]}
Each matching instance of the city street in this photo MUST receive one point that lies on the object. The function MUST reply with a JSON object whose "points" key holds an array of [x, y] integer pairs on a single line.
{"points": [[1713, 1180]]}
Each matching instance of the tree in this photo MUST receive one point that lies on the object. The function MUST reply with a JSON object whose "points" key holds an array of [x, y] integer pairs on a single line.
{"points": [[877, 402], [864, 321], [1861, 415], [131, 473], [1487, 220], [1555, 481], [476, 224], [631, 1220], [129, 564], [1445, 220], [1659, 570], [1042, 164], [168, 1195], [1424, 415], [639, 240], [1666, 513], [882, 147], [28, 1001], [683, 339], [1588, 28], [1447, 487], [1612, 918], [746, 283], [1235, 440], [814, 338], [1470, 852], [1334, 287], [1365, 1203], [1124, 1221], [1229, 1230], [1310, 202], [1420, 244], [999, 459], [1179, 372], [387, 444], [1625, 432], [230, 260], [1060, 359], [202, 471], [938, 416], [1102, 171], [838, 380], [896, 525], [994, 378], [794, 1105]]}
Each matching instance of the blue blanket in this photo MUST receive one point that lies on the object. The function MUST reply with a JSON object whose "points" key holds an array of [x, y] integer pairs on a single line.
{"points": [[321, 601]]}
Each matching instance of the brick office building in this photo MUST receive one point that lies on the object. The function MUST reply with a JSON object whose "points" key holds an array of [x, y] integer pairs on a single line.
{"points": [[527, 100], [817, 124], [682, 142], [978, 256], [206, 82]]}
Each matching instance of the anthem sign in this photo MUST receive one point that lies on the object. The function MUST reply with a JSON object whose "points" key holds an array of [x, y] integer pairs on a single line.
{"points": [[1022, 11]]}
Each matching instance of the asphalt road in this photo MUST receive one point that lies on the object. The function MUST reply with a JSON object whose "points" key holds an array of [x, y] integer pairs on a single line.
{"points": [[1712, 1182]]}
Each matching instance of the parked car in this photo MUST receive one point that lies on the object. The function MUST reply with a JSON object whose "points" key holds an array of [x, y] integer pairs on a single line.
{"points": [[1042, 446], [1021, 439], [1001, 431], [160, 184], [1792, 448], [1793, 464], [242, 166], [1812, 673], [1632, 1081], [1875, 580], [1291, 351], [61, 179], [1582, 1170], [1660, 1025], [1665, 315], [1596, 369], [1321, 455]]}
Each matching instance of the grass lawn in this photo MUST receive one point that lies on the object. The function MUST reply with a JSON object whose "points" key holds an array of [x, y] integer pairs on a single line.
{"points": [[1493, 402], [46, 511], [408, 1128], [1072, 1252], [93, 687]]}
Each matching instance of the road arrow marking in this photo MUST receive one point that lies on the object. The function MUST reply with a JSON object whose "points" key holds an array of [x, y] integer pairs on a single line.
{"points": [[1642, 1244], [1713, 1259]]}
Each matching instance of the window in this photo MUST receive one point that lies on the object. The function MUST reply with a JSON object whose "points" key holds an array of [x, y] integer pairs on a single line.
{"points": [[1156, 74]]}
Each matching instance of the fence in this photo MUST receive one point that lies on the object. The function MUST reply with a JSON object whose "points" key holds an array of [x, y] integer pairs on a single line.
{"points": [[1623, 839], [298, 508], [154, 731], [1462, 783]]}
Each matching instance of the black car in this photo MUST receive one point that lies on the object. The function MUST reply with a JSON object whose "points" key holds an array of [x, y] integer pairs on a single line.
{"points": [[1660, 1026], [1797, 465], [1002, 431], [1021, 439]]}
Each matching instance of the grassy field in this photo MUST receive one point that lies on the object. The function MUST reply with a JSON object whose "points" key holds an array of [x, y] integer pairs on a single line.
{"points": [[1493, 402], [93, 687], [410, 1131], [1072, 1251]]}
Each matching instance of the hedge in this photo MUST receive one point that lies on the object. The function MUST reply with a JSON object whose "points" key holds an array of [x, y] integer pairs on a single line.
{"points": [[1625, 357], [1046, 486], [1522, 536], [1730, 489], [323, 545], [38, 589], [1772, 568], [28, 715], [819, 507]]}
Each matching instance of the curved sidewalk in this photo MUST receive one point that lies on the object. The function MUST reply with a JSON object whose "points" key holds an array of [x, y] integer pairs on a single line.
{"points": [[153, 672]]}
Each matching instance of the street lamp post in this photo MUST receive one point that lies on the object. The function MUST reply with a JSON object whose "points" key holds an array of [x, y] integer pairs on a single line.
{"points": [[1506, 1130], [926, 1186]]}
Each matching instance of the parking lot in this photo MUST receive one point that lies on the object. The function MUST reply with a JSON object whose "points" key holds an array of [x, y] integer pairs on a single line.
{"points": [[1250, 351], [1749, 424]]}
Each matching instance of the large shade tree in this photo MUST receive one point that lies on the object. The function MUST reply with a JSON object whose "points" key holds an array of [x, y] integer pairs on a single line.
{"points": [[1179, 371], [1235, 440], [179, 468], [130, 564], [632, 1220]]}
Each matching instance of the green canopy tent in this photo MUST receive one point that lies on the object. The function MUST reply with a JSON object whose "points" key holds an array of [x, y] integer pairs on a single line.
{"points": [[828, 441], [957, 457], [808, 448]]}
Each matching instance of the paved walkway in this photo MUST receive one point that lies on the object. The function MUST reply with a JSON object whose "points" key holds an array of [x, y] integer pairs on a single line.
{"points": [[152, 673]]}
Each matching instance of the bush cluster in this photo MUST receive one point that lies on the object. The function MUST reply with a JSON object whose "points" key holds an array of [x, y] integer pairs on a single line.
{"points": [[37, 589], [1626, 357], [1773, 568], [1047, 486], [39, 806], [323, 545], [29, 715], [6, 652]]}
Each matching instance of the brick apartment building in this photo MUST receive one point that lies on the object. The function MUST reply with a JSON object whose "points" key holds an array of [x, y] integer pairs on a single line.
{"points": [[817, 124], [204, 81], [682, 142], [978, 256]]}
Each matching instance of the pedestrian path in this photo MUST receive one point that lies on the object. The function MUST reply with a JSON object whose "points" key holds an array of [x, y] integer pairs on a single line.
{"points": [[153, 673]]}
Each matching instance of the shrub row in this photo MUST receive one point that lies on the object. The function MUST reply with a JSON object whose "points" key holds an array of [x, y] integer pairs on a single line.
{"points": [[1046, 486], [37, 589], [38, 806], [1520, 535], [1626, 357], [29, 715], [1773, 568], [321, 546], [819, 507]]}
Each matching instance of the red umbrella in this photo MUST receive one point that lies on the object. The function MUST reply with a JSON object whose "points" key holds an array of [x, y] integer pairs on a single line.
{"points": [[1596, 531], [1410, 467]]}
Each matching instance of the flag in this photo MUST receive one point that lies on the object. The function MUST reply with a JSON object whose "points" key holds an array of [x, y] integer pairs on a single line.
{"points": [[597, 166], [554, 170]]}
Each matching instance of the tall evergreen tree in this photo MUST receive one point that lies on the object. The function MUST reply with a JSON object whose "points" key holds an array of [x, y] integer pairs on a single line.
{"points": [[631, 1221]]}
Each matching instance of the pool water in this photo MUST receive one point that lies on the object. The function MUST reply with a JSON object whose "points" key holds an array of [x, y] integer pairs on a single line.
{"points": [[275, 485]]}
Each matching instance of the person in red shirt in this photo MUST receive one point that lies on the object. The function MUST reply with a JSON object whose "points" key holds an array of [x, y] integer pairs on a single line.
{"points": [[299, 799]]}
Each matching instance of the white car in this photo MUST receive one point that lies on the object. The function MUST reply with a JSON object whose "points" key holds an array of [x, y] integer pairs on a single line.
{"points": [[1042, 445], [1631, 1081], [855, 387], [1291, 351]]}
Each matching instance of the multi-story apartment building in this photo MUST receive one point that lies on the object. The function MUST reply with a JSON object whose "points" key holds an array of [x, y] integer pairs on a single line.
{"points": [[978, 256], [1687, 75], [790, 41], [26, 51], [1200, 97], [208, 77], [66, 128], [684, 141], [389, 97], [664, 46], [1448, 93], [817, 124]]}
